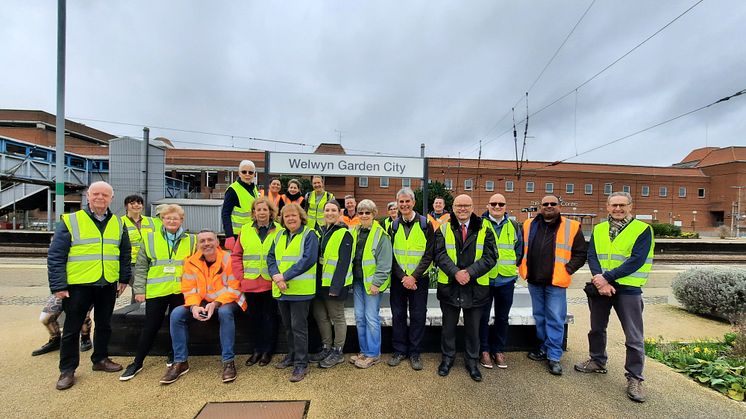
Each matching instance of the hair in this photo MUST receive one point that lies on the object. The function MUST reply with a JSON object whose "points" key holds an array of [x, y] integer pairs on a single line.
{"points": [[317, 177], [349, 197], [133, 198], [293, 207], [159, 208], [552, 195], [439, 197], [170, 208], [391, 205], [619, 193], [367, 205], [207, 230], [101, 183], [246, 163], [270, 205], [275, 179], [296, 182], [333, 202], [406, 191]]}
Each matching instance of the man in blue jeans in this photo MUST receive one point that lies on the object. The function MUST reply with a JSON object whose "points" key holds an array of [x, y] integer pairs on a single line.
{"points": [[554, 249]]}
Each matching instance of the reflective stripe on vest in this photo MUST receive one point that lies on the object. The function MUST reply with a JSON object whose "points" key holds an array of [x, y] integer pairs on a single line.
{"points": [[409, 250], [159, 282], [566, 232], [316, 208], [136, 236], [505, 243], [287, 256], [450, 242], [612, 254], [368, 260], [255, 251], [92, 254], [330, 259], [241, 214]]}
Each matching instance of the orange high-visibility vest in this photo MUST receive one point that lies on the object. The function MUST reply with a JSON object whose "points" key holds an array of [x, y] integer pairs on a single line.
{"points": [[562, 250]]}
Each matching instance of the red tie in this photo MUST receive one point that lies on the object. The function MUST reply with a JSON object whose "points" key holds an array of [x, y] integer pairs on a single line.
{"points": [[463, 233]]}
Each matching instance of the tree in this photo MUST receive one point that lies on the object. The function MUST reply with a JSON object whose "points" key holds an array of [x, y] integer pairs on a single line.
{"points": [[305, 183], [434, 189]]}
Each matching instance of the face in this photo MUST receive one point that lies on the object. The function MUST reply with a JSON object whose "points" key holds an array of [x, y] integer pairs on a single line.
{"points": [[331, 214], [619, 207], [406, 205], [497, 206], [366, 218], [462, 207], [438, 205], [261, 213], [275, 186], [207, 243], [291, 219], [350, 205], [549, 208], [134, 208], [246, 173], [172, 221], [318, 184], [99, 197], [393, 212], [293, 188]]}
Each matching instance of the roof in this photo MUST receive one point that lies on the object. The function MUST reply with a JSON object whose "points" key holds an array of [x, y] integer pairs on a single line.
{"points": [[724, 155], [24, 117], [330, 148], [697, 154]]}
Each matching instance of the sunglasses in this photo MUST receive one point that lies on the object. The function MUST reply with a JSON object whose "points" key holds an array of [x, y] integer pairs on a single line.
{"points": [[247, 172], [364, 212], [548, 204], [495, 204]]}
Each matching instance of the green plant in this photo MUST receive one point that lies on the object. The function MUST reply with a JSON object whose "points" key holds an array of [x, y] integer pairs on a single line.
{"points": [[689, 235], [434, 189], [715, 291], [666, 230]]}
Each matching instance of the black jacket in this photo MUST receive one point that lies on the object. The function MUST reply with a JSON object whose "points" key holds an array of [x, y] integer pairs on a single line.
{"points": [[472, 294], [230, 200], [540, 257], [345, 259]]}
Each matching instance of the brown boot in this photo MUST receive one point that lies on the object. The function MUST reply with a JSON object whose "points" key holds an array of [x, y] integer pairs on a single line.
{"points": [[66, 380], [634, 390], [229, 371], [107, 365], [175, 371]]}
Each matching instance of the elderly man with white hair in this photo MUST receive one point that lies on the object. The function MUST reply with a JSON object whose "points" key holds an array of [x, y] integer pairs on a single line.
{"points": [[237, 202]]}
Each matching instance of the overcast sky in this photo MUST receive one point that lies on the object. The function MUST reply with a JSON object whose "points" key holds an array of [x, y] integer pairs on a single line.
{"points": [[390, 74]]}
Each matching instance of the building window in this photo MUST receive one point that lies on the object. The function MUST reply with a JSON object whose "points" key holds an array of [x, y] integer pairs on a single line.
{"points": [[384, 182], [406, 182], [625, 188], [682, 191], [448, 184], [549, 187], [468, 184], [509, 186], [663, 192], [570, 188], [529, 186], [607, 188], [701, 193], [489, 186], [589, 189], [362, 181], [645, 190]]}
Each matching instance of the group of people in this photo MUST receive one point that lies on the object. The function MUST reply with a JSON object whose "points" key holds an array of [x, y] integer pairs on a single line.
{"points": [[289, 255]]}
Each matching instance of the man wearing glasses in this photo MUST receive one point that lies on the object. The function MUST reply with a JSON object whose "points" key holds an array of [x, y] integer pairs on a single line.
{"points": [[237, 202], [554, 249]]}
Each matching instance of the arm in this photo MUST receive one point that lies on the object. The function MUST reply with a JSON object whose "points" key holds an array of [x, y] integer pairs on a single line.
{"points": [[397, 273], [593, 263], [384, 257], [489, 257], [310, 257], [57, 258], [232, 291], [189, 285], [230, 200], [427, 258], [237, 259], [141, 272], [635, 261], [345, 259], [125, 257], [579, 253], [271, 261], [441, 257], [518, 243]]}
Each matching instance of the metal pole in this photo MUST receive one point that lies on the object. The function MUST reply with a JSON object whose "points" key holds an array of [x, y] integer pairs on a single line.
{"points": [[50, 225], [425, 175], [59, 202], [738, 214], [266, 172], [146, 152]]}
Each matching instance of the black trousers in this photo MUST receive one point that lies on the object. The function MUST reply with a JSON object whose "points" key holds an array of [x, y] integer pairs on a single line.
{"points": [[407, 339], [471, 331], [75, 307], [263, 320], [155, 312], [295, 319]]}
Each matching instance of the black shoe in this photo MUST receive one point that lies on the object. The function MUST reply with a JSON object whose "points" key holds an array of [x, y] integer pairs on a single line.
{"points": [[253, 359], [130, 372], [265, 359], [555, 368], [416, 362], [396, 359], [473, 370], [85, 343], [52, 345], [445, 367], [170, 359], [537, 355], [319, 356], [286, 362]]}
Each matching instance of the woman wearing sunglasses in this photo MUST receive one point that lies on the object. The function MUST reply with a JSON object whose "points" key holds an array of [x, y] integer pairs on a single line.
{"points": [[237, 202]]}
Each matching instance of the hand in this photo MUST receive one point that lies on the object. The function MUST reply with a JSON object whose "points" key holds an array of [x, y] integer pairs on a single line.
{"points": [[374, 290], [139, 298], [120, 289], [607, 290], [409, 282], [62, 294], [230, 242], [462, 277], [195, 312], [332, 295], [282, 285], [278, 277], [599, 281], [210, 309]]}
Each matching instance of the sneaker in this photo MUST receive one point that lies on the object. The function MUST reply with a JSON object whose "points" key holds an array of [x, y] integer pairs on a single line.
{"points": [[416, 362], [52, 345], [174, 372], [354, 358], [396, 359], [229, 371], [367, 362], [299, 373], [335, 357], [85, 343], [555, 368], [319, 356], [589, 366], [634, 390], [286, 362], [485, 360], [537, 355], [499, 358], [130, 372]]}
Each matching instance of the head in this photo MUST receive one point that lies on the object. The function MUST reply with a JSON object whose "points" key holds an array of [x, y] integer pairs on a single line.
{"points": [[133, 204], [294, 186], [462, 207], [246, 171], [405, 199], [292, 217], [497, 206], [263, 210], [619, 205], [350, 204], [332, 211], [392, 209], [99, 196], [207, 244], [439, 204], [158, 210], [318, 183], [550, 209], [172, 216], [367, 211], [275, 185]]}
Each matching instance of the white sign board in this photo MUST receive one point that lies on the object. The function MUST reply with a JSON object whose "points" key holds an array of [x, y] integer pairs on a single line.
{"points": [[346, 165], [646, 217]]}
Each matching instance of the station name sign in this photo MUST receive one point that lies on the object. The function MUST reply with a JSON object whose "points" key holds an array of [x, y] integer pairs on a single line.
{"points": [[345, 165]]}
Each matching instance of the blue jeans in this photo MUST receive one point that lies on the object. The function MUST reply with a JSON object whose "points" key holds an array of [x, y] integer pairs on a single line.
{"points": [[549, 304], [368, 320], [182, 316]]}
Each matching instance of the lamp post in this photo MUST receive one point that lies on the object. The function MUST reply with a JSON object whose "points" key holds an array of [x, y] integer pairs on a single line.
{"points": [[694, 221], [655, 216]]}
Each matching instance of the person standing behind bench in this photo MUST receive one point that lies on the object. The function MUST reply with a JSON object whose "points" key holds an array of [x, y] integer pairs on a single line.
{"points": [[237, 202], [158, 271], [138, 226], [89, 263], [315, 201]]}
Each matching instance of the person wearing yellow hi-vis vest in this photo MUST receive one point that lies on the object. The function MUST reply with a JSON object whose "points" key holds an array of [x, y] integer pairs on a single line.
{"points": [[465, 254], [88, 263], [237, 201], [315, 201], [333, 281], [249, 261], [158, 271], [371, 270], [620, 257], [392, 209], [291, 262], [138, 226]]}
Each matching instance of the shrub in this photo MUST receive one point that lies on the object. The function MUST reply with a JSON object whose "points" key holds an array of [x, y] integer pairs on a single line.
{"points": [[715, 291], [723, 231], [666, 230], [689, 235]]}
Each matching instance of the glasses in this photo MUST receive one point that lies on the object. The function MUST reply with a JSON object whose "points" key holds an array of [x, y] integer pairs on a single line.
{"points": [[364, 212], [495, 204], [548, 204], [171, 219], [462, 206], [618, 205], [247, 172]]}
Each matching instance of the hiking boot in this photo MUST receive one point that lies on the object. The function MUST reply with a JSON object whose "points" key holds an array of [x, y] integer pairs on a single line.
{"points": [[335, 357], [107, 365], [52, 345], [354, 358], [396, 359], [367, 362], [299, 373], [66, 380], [229, 371], [634, 390], [499, 359], [537, 355], [174, 372], [130, 372], [589, 366], [555, 368], [416, 362], [485, 360], [85, 343], [319, 356], [286, 362]]}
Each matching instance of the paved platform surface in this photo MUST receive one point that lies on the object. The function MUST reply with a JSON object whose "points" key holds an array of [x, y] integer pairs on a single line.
{"points": [[525, 389]]}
